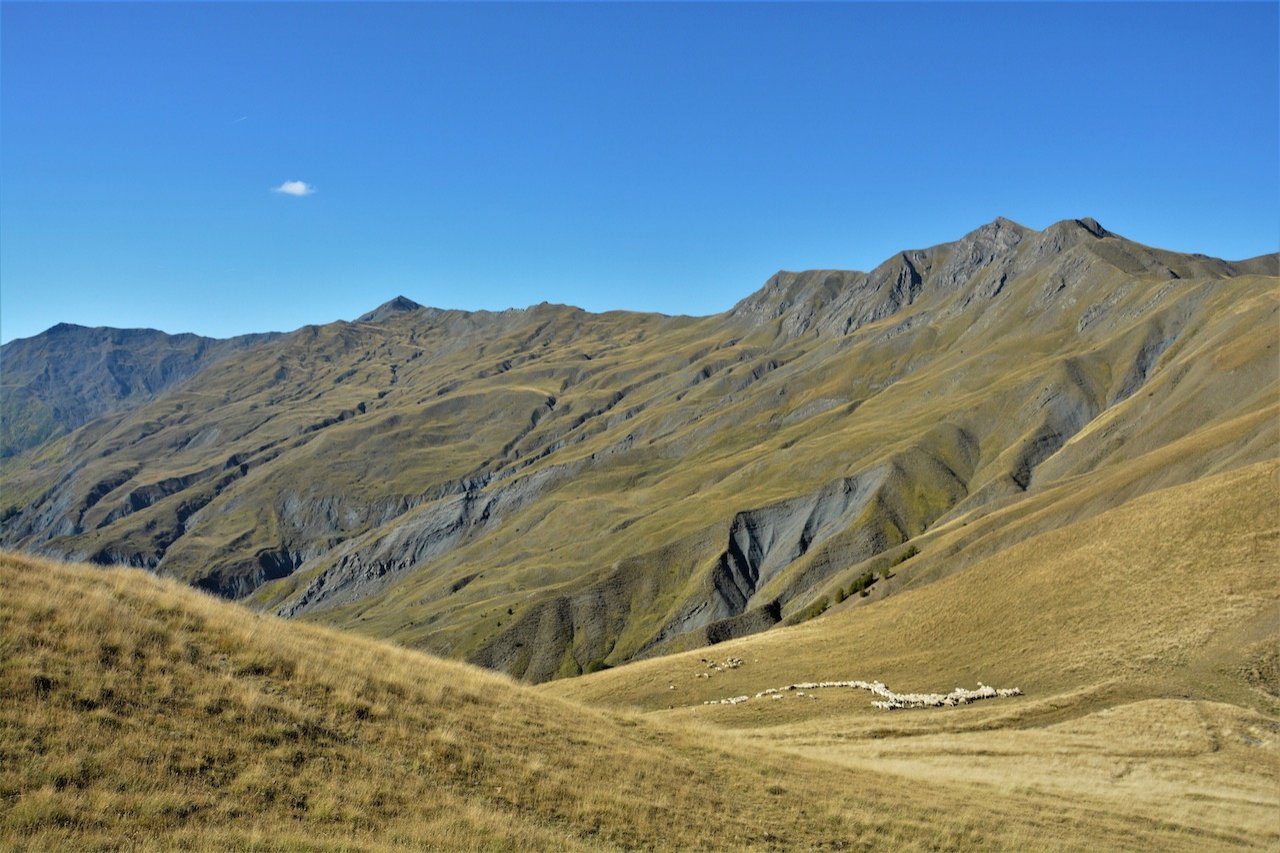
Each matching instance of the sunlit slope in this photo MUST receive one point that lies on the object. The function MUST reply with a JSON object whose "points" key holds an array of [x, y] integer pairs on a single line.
{"points": [[549, 491], [137, 713], [1175, 593], [331, 431], [1146, 640]]}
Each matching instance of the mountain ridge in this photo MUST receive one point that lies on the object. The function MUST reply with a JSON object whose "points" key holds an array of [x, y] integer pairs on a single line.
{"points": [[1267, 263], [545, 490]]}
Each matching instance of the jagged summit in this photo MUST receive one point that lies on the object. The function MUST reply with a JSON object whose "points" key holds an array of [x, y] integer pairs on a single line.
{"points": [[399, 305], [1004, 225], [965, 274], [1004, 233], [979, 263]]}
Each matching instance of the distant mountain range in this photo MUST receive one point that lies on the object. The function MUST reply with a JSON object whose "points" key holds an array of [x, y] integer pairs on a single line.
{"points": [[69, 375], [547, 491]]}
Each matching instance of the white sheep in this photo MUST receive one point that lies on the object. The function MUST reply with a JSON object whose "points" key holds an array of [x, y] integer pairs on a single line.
{"points": [[890, 701]]}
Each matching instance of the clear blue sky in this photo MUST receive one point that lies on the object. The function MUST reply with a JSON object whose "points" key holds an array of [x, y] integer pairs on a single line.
{"points": [[652, 156]]}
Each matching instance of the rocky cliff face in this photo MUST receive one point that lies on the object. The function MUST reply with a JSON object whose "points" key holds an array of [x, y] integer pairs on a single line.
{"points": [[546, 491]]}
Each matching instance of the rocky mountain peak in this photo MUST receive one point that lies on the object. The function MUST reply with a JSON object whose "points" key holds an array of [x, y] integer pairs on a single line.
{"points": [[1091, 225], [999, 234], [399, 305], [980, 248], [1072, 231], [64, 329]]}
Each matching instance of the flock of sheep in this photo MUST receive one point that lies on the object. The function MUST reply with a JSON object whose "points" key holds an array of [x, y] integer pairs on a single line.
{"points": [[889, 700], [721, 666]]}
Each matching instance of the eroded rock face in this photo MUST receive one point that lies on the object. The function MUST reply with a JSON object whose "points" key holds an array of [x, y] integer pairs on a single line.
{"points": [[546, 491], [356, 567], [763, 542]]}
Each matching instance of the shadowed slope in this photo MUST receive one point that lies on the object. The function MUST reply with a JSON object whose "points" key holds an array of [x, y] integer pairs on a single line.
{"points": [[56, 381]]}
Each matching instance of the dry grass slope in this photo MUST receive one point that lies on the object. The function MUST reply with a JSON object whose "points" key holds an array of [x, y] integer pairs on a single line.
{"points": [[138, 714]]}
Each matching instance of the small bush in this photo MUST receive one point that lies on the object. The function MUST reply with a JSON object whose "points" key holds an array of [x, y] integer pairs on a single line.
{"points": [[861, 584], [911, 551]]}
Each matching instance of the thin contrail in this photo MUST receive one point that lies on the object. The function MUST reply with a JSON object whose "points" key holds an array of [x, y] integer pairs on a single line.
{"points": [[237, 121]]}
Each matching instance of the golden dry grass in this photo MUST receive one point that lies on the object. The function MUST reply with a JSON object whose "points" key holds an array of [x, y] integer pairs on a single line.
{"points": [[1212, 766], [137, 714]]}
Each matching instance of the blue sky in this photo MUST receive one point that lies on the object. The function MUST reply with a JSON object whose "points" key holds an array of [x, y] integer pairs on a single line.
{"points": [[647, 156]]}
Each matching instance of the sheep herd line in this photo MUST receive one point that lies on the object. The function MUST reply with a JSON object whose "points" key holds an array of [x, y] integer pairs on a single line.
{"points": [[889, 700]]}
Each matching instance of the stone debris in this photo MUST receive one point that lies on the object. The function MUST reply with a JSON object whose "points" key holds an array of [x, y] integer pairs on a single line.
{"points": [[888, 701]]}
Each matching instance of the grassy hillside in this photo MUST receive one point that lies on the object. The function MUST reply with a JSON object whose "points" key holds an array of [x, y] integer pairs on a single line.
{"points": [[137, 713], [1145, 640], [547, 492], [1152, 598]]}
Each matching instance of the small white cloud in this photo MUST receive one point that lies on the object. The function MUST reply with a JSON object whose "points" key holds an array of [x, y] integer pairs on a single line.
{"points": [[294, 188]]}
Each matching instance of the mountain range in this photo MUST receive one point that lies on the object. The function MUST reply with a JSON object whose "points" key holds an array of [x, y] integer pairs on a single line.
{"points": [[548, 492]]}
